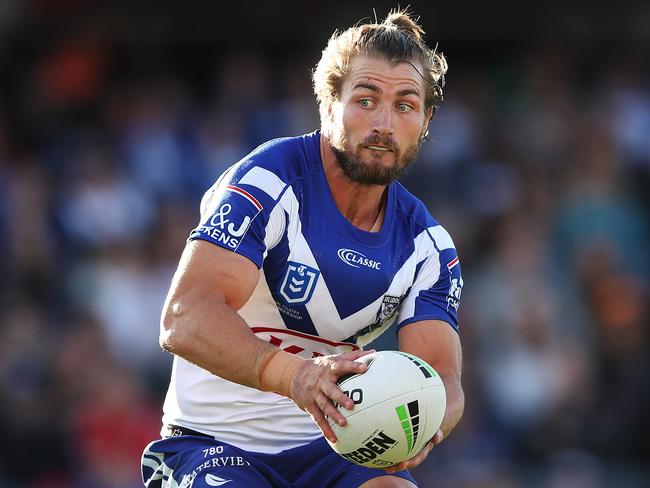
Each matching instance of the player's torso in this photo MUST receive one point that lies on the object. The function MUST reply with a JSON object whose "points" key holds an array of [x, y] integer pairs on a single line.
{"points": [[326, 284]]}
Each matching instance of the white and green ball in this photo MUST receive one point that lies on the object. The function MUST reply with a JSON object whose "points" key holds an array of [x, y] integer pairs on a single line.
{"points": [[399, 404]]}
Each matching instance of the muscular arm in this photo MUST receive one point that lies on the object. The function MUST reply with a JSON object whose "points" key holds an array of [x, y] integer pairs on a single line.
{"points": [[439, 345], [199, 320]]}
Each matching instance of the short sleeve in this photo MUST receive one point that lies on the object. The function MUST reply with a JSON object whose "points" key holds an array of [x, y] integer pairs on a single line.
{"points": [[436, 289], [236, 212]]}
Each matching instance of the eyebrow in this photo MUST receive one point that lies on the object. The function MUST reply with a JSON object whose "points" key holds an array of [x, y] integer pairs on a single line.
{"points": [[367, 86], [376, 89], [408, 91]]}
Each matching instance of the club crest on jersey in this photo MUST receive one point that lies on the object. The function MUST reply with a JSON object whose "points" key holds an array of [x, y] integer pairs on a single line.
{"points": [[385, 315], [455, 284], [298, 283], [455, 289]]}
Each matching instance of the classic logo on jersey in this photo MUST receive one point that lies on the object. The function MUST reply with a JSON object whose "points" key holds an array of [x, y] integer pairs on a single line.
{"points": [[298, 283], [356, 259]]}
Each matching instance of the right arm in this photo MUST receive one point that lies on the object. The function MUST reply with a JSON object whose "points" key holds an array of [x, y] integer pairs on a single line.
{"points": [[200, 323]]}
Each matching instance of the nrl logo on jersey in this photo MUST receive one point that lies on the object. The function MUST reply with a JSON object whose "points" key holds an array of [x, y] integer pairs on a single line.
{"points": [[298, 283]]}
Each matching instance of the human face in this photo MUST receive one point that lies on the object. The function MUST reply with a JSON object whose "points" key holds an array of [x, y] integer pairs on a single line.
{"points": [[376, 125]]}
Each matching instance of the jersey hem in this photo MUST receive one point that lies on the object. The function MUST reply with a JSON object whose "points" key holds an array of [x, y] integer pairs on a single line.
{"points": [[247, 255]]}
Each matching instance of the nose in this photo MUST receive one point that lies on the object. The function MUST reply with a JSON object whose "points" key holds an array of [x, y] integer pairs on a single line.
{"points": [[383, 123]]}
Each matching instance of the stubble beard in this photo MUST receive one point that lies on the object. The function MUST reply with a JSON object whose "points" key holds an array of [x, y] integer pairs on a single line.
{"points": [[371, 172]]}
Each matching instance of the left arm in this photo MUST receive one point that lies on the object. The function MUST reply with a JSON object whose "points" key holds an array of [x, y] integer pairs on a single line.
{"points": [[437, 343]]}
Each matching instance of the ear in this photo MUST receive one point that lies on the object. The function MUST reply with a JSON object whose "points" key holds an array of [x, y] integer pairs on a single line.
{"points": [[425, 127], [330, 108], [325, 116], [429, 115]]}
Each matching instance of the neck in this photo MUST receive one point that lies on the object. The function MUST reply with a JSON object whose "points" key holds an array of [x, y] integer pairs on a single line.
{"points": [[361, 204]]}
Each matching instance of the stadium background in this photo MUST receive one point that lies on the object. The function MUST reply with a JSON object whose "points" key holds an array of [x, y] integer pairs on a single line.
{"points": [[116, 116]]}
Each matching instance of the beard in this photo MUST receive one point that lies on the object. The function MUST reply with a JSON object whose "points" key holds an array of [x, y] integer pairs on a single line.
{"points": [[371, 172]]}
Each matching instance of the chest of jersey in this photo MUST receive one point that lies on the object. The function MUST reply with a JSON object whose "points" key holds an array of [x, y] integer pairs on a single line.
{"points": [[327, 280]]}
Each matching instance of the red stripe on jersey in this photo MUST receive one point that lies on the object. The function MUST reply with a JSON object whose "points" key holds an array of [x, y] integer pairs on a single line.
{"points": [[304, 336], [246, 195], [453, 262]]}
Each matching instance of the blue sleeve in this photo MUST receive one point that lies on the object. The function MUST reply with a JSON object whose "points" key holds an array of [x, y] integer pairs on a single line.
{"points": [[435, 293], [235, 213]]}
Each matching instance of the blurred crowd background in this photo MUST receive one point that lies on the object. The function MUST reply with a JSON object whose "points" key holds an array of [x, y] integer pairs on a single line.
{"points": [[116, 117]]}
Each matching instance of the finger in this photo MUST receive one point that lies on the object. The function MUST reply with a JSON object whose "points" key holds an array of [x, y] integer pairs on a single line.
{"points": [[437, 438], [321, 421], [329, 409], [336, 396], [332, 412], [414, 461], [396, 468], [410, 463], [345, 366], [419, 457], [352, 355]]}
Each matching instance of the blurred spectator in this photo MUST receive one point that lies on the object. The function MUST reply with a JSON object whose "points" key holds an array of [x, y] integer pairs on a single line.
{"points": [[629, 113], [152, 141], [539, 126], [221, 137], [30, 410], [102, 205], [597, 214], [5, 211], [125, 296], [574, 468], [109, 429], [33, 246]]}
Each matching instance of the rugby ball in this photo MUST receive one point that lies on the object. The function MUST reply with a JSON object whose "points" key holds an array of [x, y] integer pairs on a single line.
{"points": [[399, 403]]}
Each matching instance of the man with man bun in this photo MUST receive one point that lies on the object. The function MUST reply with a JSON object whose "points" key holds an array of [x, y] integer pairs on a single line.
{"points": [[307, 249]]}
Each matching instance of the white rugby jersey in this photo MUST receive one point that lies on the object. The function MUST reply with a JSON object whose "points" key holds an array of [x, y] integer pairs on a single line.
{"points": [[326, 286]]}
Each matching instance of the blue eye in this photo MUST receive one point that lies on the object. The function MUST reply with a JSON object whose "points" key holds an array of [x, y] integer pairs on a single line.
{"points": [[365, 103], [402, 107]]}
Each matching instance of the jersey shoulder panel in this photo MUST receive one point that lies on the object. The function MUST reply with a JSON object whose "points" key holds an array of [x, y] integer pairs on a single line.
{"points": [[435, 293], [240, 212], [288, 158]]}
